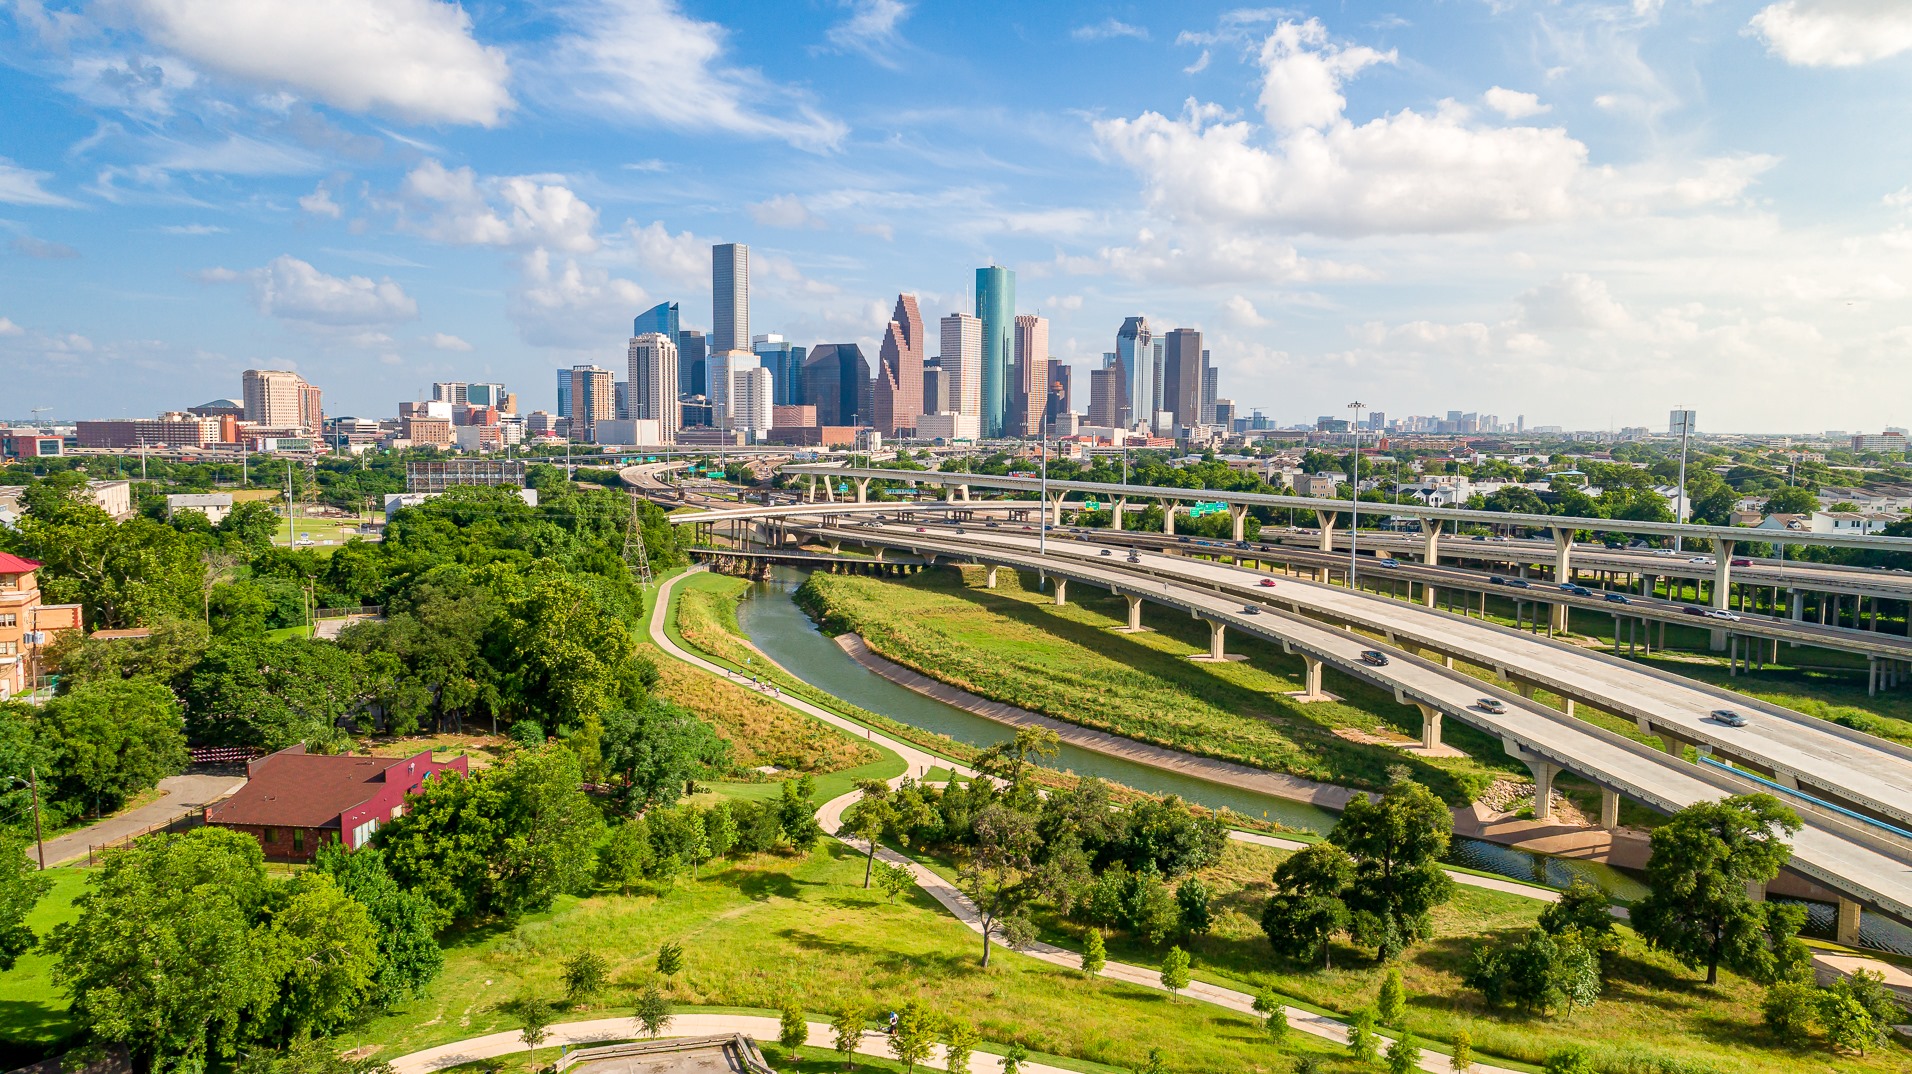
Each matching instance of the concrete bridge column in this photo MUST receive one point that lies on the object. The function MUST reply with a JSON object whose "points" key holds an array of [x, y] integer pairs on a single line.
{"points": [[1135, 615], [1544, 772], [1062, 591], [1168, 517], [1848, 928], [1239, 517], [1055, 509], [809, 488], [863, 490], [1430, 726], [1431, 541], [1115, 514], [1562, 572], [1217, 644], [989, 578], [1326, 519], [1609, 808], [1722, 586], [1310, 680]]}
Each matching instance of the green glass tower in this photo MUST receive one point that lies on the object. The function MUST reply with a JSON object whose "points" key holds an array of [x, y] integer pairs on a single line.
{"points": [[996, 309]]}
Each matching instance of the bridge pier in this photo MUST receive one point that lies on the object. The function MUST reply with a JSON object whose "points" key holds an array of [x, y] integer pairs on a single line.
{"points": [[1238, 516], [1217, 644], [1310, 681], [863, 490], [1062, 590], [1430, 726], [1722, 587], [989, 578], [1168, 517], [1326, 519], [1847, 931], [1135, 616], [1115, 514], [1543, 771], [1609, 808]]}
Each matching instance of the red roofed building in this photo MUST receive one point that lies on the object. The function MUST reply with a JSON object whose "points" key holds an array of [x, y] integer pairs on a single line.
{"points": [[294, 801], [26, 625]]}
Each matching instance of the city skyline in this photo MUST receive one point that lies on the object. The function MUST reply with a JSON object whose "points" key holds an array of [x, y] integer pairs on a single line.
{"points": [[1616, 200]]}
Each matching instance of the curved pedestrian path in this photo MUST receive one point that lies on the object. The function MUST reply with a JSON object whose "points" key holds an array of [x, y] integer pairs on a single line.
{"points": [[830, 816]]}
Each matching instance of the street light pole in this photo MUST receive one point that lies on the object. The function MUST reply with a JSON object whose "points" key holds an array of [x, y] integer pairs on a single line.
{"points": [[1354, 490], [1686, 427], [1042, 531]]}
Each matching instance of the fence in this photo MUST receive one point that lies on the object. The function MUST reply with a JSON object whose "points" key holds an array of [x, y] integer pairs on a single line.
{"points": [[341, 613], [96, 851]]}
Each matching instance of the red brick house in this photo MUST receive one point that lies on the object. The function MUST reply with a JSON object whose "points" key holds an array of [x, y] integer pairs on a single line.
{"points": [[294, 801]]}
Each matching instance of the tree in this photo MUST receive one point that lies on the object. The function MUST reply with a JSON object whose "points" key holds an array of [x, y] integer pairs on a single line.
{"points": [[533, 1013], [1790, 1009], [670, 958], [655, 748], [1155, 1064], [868, 818], [914, 1036], [1703, 858], [402, 921], [793, 1029], [1570, 1059], [112, 739], [568, 655], [1013, 1057], [1586, 908], [248, 691], [894, 879], [997, 878], [1095, 954], [1397, 844], [1404, 1055], [1791, 500], [959, 1040], [1463, 1058], [1857, 1010], [1276, 1012], [652, 1010], [848, 1029], [1541, 973], [123, 574], [1362, 1045], [585, 975], [1192, 912], [1175, 970], [21, 886], [1391, 1005], [321, 949], [1306, 912]]}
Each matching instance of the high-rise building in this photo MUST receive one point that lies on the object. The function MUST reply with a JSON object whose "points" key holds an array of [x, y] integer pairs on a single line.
{"points": [[835, 379], [1059, 402], [486, 395], [962, 363], [1211, 384], [454, 392], [996, 308], [1224, 413], [1135, 357], [593, 398], [692, 355], [275, 398], [1182, 376], [898, 391], [311, 409], [653, 391], [936, 388], [1105, 394], [720, 370], [785, 362], [1032, 376], [564, 393], [621, 391], [661, 318], [751, 409], [730, 297], [1155, 420]]}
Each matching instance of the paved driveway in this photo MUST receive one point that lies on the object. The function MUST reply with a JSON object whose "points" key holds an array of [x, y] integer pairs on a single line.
{"points": [[179, 795]]}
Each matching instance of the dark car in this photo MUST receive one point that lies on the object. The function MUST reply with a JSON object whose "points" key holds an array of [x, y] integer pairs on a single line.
{"points": [[1106, 552], [1181, 540], [1496, 580], [1251, 609], [1133, 558], [1518, 583], [1691, 609], [1374, 657], [1617, 598], [1576, 590]]}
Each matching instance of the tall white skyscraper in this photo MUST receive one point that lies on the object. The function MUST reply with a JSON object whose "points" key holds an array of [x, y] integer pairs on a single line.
{"points": [[752, 395], [722, 373], [730, 297], [963, 363], [1135, 355], [653, 383]]}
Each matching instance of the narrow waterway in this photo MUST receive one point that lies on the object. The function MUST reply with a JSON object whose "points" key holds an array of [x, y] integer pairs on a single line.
{"points": [[785, 633]]}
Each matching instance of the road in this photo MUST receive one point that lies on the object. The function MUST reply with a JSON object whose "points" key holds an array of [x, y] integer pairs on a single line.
{"points": [[179, 796]]}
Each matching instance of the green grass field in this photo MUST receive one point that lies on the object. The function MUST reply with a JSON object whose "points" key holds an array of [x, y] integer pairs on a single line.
{"points": [[33, 1010]]}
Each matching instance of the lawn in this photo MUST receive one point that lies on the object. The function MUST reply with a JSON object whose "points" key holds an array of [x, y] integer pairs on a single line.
{"points": [[1011, 644], [33, 1010], [772, 928]]}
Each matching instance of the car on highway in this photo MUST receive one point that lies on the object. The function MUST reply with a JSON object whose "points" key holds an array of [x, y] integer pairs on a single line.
{"points": [[1741, 561], [1479, 537], [1721, 613], [922, 529], [995, 525], [1029, 529], [1518, 583], [1664, 552], [1181, 540], [1706, 560], [1728, 717], [1251, 609], [1133, 558], [1374, 658], [1576, 589], [1496, 580], [1268, 583], [1388, 562], [1106, 552], [1490, 704], [1694, 609], [1617, 598]]}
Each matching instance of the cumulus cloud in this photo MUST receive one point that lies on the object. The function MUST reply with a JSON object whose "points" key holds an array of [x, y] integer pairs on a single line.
{"points": [[458, 206], [1514, 104], [41, 248], [676, 261], [784, 210], [320, 203], [8, 328], [1834, 33], [1574, 301], [1108, 28], [19, 186], [645, 61], [1302, 73], [293, 290], [415, 59], [1243, 312], [563, 303], [445, 342], [871, 30]]}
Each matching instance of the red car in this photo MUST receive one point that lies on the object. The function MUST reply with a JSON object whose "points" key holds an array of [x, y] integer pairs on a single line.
{"points": [[1268, 583], [1742, 562]]}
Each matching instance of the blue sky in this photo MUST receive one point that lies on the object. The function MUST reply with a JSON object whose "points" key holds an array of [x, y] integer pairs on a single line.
{"points": [[1580, 212]]}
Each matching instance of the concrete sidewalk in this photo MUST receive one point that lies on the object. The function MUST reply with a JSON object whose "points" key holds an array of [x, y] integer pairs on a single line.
{"points": [[179, 796]]}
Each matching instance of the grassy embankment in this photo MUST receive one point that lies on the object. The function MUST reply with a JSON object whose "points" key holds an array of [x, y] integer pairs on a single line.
{"points": [[1011, 644], [33, 1009]]}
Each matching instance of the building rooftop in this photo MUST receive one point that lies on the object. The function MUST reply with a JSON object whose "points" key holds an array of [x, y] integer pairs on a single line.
{"points": [[736, 1054], [303, 790], [12, 564]]}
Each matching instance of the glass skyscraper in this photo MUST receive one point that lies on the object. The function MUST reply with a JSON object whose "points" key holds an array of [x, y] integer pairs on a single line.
{"points": [[785, 362], [730, 297], [661, 318], [996, 308], [1135, 355]]}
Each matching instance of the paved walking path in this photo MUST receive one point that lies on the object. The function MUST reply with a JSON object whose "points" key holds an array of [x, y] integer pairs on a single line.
{"points": [[179, 796]]}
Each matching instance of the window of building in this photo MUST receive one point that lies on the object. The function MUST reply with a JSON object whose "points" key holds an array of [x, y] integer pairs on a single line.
{"points": [[298, 840], [9, 648], [268, 837], [9, 619]]}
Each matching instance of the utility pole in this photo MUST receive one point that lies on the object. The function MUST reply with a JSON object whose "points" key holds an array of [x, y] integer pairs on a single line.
{"points": [[33, 780], [1354, 488], [1679, 515], [1042, 531], [291, 515]]}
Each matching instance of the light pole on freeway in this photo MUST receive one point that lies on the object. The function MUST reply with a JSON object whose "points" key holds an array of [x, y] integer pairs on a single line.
{"points": [[1354, 489]]}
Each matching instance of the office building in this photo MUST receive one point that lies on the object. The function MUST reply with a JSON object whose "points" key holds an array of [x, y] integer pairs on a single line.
{"points": [[277, 399], [1059, 402], [1210, 383], [661, 318], [1224, 413], [1181, 379], [962, 363], [653, 391], [935, 388], [897, 394], [1135, 357], [752, 409], [1105, 394], [693, 353], [730, 297], [721, 370], [785, 362], [486, 394], [171, 429], [947, 426], [454, 392], [622, 406], [835, 379], [564, 393], [593, 398], [1031, 376], [996, 309]]}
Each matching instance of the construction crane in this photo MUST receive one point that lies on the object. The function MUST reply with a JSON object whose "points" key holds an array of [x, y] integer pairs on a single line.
{"points": [[37, 411]]}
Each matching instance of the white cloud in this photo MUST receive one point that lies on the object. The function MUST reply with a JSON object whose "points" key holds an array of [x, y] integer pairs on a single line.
{"points": [[1108, 28], [8, 328], [1514, 104], [446, 342], [562, 303], [412, 58], [43, 249], [784, 210], [1302, 73], [192, 229], [1063, 302], [320, 203], [1834, 33], [647, 62], [677, 262], [1200, 64], [18, 186], [293, 290], [872, 30], [1574, 301], [521, 210], [1243, 312]]}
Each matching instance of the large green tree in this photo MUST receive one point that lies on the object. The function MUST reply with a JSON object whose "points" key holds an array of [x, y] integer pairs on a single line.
{"points": [[248, 691], [1397, 843], [1306, 911], [123, 574], [402, 921], [566, 657], [111, 739], [655, 748], [1703, 859]]}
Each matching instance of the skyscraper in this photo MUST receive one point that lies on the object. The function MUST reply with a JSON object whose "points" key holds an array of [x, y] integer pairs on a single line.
{"points": [[935, 387], [835, 379], [661, 318], [275, 398], [454, 392], [593, 398], [1059, 401], [751, 410], [692, 355], [1182, 377], [1105, 394], [1210, 384], [963, 364], [485, 394], [564, 393], [720, 370], [730, 297], [898, 392], [1135, 357], [996, 308], [785, 362], [653, 385], [1032, 376]]}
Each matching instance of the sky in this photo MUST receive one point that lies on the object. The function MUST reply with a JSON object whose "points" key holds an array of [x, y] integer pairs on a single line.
{"points": [[1585, 213]]}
